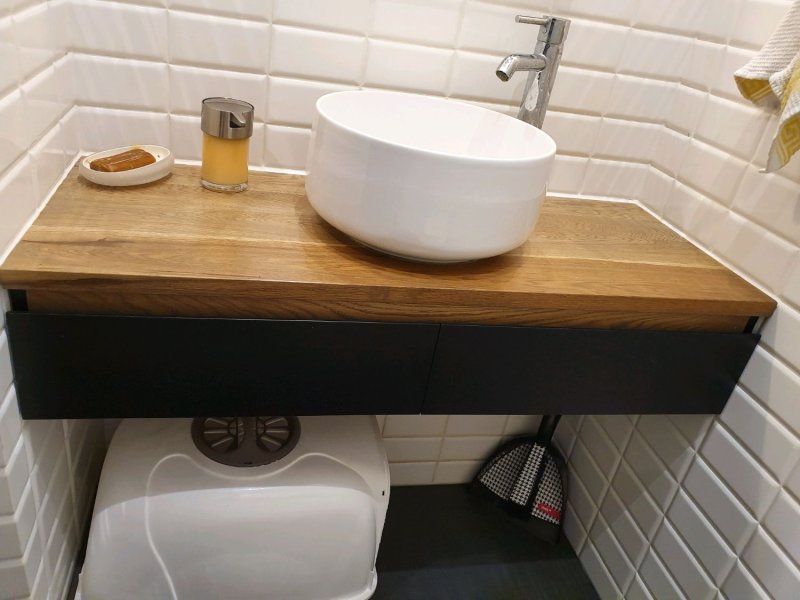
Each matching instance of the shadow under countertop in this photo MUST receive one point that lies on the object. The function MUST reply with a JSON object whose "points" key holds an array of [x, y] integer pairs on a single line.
{"points": [[442, 543]]}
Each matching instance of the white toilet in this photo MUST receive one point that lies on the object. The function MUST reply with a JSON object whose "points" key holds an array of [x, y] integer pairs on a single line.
{"points": [[171, 522]]}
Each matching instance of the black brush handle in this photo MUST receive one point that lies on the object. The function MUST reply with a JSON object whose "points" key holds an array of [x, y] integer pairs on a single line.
{"points": [[547, 428]]}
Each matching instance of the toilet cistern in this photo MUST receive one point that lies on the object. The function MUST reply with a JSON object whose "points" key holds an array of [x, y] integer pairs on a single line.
{"points": [[541, 66]]}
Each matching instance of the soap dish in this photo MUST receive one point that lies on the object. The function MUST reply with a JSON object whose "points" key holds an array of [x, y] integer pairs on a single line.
{"points": [[152, 172]]}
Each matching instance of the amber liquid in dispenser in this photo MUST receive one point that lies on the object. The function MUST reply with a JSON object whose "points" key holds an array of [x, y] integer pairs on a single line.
{"points": [[227, 125], [224, 161]]}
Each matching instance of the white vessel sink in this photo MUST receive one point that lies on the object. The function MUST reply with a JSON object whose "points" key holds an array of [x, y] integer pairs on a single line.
{"points": [[426, 178]]}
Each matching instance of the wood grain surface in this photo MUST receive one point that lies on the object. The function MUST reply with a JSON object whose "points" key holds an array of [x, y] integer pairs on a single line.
{"points": [[171, 247]]}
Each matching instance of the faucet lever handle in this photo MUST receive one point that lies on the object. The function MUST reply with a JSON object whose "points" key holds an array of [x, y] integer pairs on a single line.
{"points": [[553, 29], [540, 21]]}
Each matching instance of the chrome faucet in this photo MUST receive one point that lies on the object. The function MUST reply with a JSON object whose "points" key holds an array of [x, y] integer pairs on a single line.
{"points": [[541, 66]]}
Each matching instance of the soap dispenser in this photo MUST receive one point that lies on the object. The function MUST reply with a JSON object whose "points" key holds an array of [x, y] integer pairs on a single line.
{"points": [[227, 126]]}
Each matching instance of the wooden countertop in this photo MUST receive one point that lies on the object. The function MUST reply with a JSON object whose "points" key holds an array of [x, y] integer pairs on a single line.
{"points": [[171, 247]]}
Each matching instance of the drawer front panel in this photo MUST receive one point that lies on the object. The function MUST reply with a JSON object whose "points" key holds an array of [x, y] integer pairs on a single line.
{"points": [[530, 370], [86, 366]]}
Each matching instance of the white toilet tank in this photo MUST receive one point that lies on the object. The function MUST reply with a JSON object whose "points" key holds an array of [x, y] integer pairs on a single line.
{"points": [[171, 523]]}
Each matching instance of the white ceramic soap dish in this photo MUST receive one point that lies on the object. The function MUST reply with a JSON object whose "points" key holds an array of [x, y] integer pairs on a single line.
{"points": [[152, 172]]}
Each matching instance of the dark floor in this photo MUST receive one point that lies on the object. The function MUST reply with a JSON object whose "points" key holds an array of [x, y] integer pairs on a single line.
{"points": [[442, 543]]}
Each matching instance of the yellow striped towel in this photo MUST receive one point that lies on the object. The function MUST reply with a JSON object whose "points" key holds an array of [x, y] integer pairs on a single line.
{"points": [[772, 78]]}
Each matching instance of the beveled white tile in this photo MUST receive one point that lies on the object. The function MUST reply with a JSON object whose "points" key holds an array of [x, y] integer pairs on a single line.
{"points": [[768, 440], [720, 505], [613, 556], [741, 582], [469, 448], [125, 30], [590, 475], [522, 424], [38, 38], [567, 175], [627, 533], [476, 424], [699, 534], [757, 21], [573, 134], [637, 500], [716, 126], [657, 190], [638, 590], [654, 54], [49, 159], [582, 90], [9, 58], [6, 374], [125, 84], [723, 82], [601, 46], [573, 529], [456, 471], [686, 109], [650, 471], [614, 179], [203, 40], [10, 426], [434, 22], [13, 479], [682, 565], [286, 147], [290, 54], [613, 10], [703, 64], [251, 9], [773, 568], [605, 454], [693, 427], [490, 27], [414, 425], [771, 201], [658, 580], [16, 529], [755, 486], [112, 128], [291, 101], [349, 16], [15, 138], [783, 523], [584, 505], [407, 67], [781, 333], [416, 473], [188, 86], [593, 564], [18, 196], [760, 254], [712, 171], [665, 440], [641, 99], [412, 449], [623, 139]]}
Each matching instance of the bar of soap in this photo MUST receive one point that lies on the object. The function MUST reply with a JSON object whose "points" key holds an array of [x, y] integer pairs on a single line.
{"points": [[124, 161]]}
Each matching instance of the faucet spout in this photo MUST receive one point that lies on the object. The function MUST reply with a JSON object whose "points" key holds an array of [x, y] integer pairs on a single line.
{"points": [[520, 62]]}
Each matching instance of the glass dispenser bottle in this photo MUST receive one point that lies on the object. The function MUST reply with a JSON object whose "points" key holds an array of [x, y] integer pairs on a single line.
{"points": [[227, 125]]}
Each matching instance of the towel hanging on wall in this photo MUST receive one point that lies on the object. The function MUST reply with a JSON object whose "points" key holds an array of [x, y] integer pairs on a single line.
{"points": [[772, 78]]}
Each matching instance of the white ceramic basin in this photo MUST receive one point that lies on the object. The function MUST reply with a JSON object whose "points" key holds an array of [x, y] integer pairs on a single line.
{"points": [[426, 178]]}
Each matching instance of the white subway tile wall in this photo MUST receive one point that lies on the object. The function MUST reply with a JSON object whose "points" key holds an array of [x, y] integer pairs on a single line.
{"points": [[45, 489], [644, 108]]}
